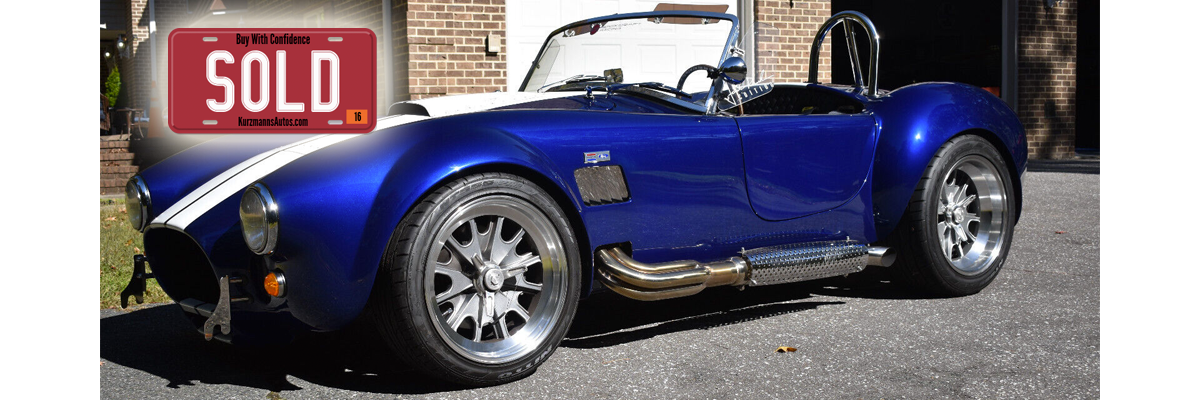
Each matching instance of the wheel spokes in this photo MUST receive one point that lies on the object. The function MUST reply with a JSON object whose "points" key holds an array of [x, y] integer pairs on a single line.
{"points": [[521, 284], [486, 313], [463, 310], [500, 249], [967, 201], [948, 191], [960, 236], [521, 265], [961, 194], [468, 252], [511, 305], [501, 327], [486, 269], [947, 238], [459, 282]]}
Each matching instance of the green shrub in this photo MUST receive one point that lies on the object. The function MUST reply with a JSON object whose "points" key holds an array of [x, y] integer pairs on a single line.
{"points": [[112, 86]]}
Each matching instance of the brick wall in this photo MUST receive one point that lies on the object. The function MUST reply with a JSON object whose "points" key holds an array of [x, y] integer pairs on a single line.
{"points": [[400, 49], [1046, 44], [136, 67], [168, 15], [445, 47], [783, 32], [438, 45], [336, 14], [365, 14]]}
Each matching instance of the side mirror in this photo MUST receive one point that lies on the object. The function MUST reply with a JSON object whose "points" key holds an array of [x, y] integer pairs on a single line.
{"points": [[733, 70]]}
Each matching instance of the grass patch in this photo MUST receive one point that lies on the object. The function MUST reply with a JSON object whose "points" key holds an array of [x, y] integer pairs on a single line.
{"points": [[118, 243]]}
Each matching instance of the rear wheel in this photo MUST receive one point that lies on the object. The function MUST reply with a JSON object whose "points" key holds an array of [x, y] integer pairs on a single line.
{"points": [[480, 281], [956, 233]]}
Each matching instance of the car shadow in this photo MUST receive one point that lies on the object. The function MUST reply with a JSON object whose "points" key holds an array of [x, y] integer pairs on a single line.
{"points": [[159, 340], [607, 319]]}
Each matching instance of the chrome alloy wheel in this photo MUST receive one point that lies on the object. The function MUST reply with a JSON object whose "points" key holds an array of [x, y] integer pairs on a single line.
{"points": [[499, 279], [970, 215]]}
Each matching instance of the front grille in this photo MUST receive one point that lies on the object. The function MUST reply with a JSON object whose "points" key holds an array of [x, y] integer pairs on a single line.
{"points": [[180, 266]]}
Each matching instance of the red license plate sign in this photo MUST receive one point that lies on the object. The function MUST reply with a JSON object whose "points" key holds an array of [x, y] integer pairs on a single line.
{"points": [[271, 81]]}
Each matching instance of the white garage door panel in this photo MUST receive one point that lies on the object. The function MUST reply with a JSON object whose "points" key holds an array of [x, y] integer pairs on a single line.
{"points": [[529, 21], [596, 56], [656, 59]]}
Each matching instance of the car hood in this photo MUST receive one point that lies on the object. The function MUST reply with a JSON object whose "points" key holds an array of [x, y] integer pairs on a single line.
{"points": [[190, 183], [467, 103]]}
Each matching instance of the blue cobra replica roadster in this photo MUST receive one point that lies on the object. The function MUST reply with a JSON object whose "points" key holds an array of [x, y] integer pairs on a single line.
{"points": [[467, 228]]}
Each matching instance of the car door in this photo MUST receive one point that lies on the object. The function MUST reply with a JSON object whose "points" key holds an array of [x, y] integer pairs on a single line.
{"points": [[799, 165]]}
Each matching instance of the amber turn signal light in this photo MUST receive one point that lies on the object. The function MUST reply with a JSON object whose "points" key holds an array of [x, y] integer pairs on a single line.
{"points": [[275, 284]]}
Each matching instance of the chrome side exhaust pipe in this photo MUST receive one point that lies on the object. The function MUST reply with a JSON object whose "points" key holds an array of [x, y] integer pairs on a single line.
{"points": [[646, 282], [764, 266], [880, 256]]}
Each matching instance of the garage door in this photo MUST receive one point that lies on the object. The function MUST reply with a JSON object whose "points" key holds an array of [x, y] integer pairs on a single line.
{"points": [[529, 21]]}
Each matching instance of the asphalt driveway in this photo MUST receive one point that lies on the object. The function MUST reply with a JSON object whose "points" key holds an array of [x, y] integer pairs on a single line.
{"points": [[1035, 332]]}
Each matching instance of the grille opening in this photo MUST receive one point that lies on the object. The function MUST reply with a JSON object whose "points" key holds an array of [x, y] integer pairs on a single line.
{"points": [[180, 266]]}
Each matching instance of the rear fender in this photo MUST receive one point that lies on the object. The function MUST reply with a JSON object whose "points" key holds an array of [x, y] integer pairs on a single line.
{"points": [[916, 120]]}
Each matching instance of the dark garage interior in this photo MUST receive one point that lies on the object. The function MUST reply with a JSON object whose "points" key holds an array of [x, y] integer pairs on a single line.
{"points": [[959, 41], [955, 41]]}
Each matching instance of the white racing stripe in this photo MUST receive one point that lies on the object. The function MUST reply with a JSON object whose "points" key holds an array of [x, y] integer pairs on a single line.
{"points": [[236, 179]]}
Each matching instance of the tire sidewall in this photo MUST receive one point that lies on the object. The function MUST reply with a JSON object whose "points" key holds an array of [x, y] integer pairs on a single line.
{"points": [[412, 295], [950, 278]]}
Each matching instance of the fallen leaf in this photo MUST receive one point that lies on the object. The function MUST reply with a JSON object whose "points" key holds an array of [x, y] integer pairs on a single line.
{"points": [[785, 349], [122, 210], [111, 219], [137, 250], [129, 242], [1060, 232]]}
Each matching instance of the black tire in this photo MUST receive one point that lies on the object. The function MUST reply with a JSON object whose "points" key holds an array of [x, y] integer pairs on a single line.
{"points": [[924, 260], [417, 325]]}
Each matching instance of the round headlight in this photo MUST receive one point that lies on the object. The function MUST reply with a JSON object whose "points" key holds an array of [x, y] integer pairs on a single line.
{"points": [[260, 219], [137, 202]]}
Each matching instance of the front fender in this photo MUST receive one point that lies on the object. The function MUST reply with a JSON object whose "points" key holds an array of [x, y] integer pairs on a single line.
{"points": [[175, 177], [916, 120], [339, 206]]}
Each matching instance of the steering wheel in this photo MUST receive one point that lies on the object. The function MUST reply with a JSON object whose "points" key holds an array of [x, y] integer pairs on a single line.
{"points": [[712, 73]]}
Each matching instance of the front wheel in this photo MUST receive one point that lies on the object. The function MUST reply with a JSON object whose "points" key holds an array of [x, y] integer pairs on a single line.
{"points": [[957, 230], [480, 281]]}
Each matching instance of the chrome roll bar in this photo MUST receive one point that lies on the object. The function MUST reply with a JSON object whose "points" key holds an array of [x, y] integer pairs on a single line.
{"points": [[814, 55]]}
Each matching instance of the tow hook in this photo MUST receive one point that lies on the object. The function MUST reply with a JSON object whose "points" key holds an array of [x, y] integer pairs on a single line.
{"points": [[220, 314], [137, 283], [215, 314]]}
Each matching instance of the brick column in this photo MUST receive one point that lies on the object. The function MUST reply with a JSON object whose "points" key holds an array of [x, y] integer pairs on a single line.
{"points": [[1046, 43], [783, 35], [446, 47], [135, 69]]}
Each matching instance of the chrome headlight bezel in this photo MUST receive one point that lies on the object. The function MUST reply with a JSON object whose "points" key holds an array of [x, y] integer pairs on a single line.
{"points": [[255, 200], [137, 202]]}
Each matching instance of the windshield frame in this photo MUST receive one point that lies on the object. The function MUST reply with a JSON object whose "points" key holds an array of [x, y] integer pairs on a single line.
{"points": [[725, 53]]}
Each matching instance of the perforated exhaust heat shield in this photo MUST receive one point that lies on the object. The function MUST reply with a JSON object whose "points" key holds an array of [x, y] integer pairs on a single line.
{"points": [[804, 262]]}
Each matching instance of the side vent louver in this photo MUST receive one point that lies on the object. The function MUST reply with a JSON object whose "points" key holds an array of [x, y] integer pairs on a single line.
{"points": [[602, 185]]}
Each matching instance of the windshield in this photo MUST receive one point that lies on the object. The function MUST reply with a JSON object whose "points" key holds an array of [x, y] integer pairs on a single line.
{"points": [[633, 48]]}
